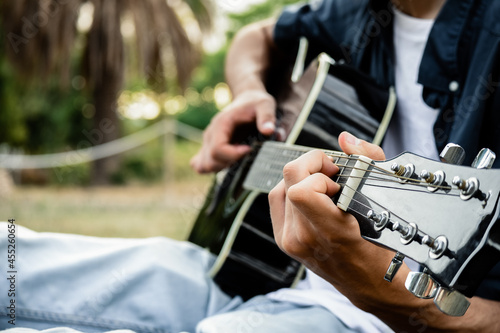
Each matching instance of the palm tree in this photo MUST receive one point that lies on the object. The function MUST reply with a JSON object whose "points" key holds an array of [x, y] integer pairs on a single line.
{"points": [[42, 37]]}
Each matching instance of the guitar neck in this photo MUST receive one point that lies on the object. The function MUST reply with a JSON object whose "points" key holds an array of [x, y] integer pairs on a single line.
{"points": [[267, 169]]}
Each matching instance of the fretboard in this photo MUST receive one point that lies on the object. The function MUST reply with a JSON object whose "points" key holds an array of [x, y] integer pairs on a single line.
{"points": [[267, 169]]}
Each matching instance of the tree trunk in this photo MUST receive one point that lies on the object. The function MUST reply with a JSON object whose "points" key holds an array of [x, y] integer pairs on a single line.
{"points": [[106, 127], [105, 64]]}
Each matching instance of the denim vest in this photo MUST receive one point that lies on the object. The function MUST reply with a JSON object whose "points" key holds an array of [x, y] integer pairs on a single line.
{"points": [[460, 68]]}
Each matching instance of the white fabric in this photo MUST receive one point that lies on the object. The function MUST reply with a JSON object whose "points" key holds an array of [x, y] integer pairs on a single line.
{"points": [[410, 130], [314, 290]]}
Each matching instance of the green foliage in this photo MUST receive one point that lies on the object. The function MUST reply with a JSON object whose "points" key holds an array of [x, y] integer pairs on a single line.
{"points": [[184, 151], [256, 13], [198, 116], [143, 164], [40, 118], [211, 70], [13, 131], [53, 119], [208, 74], [78, 174]]}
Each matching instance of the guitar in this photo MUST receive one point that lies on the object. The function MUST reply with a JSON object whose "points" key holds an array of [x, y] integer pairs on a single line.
{"points": [[234, 223], [443, 216]]}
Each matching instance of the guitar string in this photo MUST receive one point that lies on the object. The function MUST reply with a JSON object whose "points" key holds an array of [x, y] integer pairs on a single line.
{"points": [[385, 173], [397, 180], [350, 157], [416, 239], [382, 207], [421, 185], [372, 200], [391, 213], [419, 190], [419, 235], [382, 171]]}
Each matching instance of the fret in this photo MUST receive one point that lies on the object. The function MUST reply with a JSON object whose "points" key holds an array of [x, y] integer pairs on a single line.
{"points": [[267, 169], [342, 163]]}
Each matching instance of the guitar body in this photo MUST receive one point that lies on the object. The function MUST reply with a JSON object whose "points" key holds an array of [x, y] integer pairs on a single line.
{"points": [[234, 223]]}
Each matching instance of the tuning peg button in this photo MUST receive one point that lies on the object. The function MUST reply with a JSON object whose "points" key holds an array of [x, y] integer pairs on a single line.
{"points": [[451, 302], [421, 285], [394, 266], [452, 154], [485, 159]]}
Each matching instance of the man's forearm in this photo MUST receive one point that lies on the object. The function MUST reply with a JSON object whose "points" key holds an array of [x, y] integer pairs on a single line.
{"points": [[249, 57], [481, 317], [404, 312]]}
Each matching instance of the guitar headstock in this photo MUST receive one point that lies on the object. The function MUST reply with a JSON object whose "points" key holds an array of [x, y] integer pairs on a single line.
{"points": [[441, 215]]}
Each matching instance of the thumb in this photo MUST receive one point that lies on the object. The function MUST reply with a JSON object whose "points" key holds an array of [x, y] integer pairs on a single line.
{"points": [[352, 145]]}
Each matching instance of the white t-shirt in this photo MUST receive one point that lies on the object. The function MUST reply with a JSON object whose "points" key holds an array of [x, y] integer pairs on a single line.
{"points": [[410, 130]]}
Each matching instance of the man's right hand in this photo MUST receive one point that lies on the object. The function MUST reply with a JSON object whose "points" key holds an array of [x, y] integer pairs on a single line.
{"points": [[217, 151]]}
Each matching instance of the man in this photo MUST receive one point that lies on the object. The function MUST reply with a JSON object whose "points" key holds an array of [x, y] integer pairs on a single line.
{"points": [[159, 285], [301, 202]]}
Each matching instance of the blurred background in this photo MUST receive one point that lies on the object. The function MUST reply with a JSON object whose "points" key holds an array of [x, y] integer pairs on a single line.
{"points": [[102, 104]]}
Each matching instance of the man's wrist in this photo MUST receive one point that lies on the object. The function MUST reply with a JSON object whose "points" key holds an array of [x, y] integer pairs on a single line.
{"points": [[245, 85]]}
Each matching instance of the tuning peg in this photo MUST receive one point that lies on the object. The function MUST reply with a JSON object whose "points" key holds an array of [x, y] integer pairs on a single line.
{"points": [[452, 154], [468, 187], [379, 220], [405, 172], [394, 266], [421, 285], [435, 180], [484, 160], [451, 302]]}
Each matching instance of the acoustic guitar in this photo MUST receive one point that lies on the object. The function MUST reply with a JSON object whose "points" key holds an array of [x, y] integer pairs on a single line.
{"points": [[234, 222]]}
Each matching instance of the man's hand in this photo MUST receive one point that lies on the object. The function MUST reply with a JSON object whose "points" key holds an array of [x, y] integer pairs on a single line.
{"points": [[247, 64], [217, 151], [310, 227]]}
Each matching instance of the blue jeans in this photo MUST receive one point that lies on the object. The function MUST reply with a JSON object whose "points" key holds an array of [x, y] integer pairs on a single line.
{"points": [[156, 284]]}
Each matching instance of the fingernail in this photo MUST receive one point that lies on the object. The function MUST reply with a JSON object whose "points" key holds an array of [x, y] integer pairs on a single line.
{"points": [[268, 125], [351, 139], [243, 149], [281, 133]]}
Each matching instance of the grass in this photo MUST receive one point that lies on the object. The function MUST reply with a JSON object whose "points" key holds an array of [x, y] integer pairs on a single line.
{"points": [[136, 210], [125, 211]]}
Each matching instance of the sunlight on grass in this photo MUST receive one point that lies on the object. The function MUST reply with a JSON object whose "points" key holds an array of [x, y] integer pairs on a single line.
{"points": [[128, 211], [139, 209]]}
